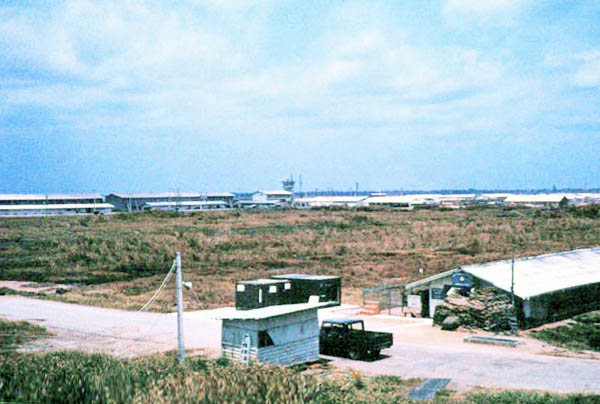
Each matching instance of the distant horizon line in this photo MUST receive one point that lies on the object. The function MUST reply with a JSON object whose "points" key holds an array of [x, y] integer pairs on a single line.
{"points": [[333, 192]]}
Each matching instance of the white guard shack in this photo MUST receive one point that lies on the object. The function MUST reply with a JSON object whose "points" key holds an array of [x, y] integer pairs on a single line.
{"points": [[278, 335], [547, 287]]}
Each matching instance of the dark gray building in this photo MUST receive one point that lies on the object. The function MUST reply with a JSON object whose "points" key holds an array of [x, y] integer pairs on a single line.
{"points": [[137, 202]]}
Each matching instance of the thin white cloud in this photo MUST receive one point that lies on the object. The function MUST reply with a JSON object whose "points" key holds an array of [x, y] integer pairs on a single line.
{"points": [[588, 71], [481, 7]]}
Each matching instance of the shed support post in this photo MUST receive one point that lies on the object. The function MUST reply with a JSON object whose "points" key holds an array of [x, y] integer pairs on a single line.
{"points": [[179, 292]]}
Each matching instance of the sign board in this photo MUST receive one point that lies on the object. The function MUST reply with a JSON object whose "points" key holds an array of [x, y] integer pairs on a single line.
{"points": [[437, 293], [413, 301]]}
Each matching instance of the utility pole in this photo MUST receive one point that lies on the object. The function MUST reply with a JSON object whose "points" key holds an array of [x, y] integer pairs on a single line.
{"points": [[179, 292], [512, 279]]}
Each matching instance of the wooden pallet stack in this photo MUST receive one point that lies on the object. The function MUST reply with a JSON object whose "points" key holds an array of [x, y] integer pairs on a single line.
{"points": [[370, 307]]}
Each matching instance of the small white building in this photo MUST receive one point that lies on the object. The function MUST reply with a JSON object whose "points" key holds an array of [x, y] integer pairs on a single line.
{"points": [[278, 335], [267, 199], [272, 196]]}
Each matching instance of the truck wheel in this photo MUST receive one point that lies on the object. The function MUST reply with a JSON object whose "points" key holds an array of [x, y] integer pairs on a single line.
{"points": [[353, 354], [374, 354]]}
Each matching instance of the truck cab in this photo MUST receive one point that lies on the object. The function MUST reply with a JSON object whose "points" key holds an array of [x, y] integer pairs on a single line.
{"points": [[347, 337]]}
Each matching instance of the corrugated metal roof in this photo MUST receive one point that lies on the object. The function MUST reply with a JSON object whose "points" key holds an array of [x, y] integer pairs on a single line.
{"points": [[266, 312], [535, 198], [425, 281], [331, 199], [184, 203], [43, 197], [58, 206], [543, 273], [220, 194], [158, 195]]}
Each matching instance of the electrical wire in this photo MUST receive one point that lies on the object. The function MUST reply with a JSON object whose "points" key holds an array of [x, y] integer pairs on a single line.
{"points": [[160, 288]]}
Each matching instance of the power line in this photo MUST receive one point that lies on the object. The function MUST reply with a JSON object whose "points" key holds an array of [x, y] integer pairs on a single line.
{"points": [[160, 288]]}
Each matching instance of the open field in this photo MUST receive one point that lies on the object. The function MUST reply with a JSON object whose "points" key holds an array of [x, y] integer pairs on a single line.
{"points": [[119, 260]]}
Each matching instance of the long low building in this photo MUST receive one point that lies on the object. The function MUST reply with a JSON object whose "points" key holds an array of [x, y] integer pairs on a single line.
{"points": [[55, 209], [135, 202], [186, 206], [327, 201], [547, 287], [49, 199]]}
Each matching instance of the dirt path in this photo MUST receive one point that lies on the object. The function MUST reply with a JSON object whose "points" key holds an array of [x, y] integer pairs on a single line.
{"points": [[419, 350]]}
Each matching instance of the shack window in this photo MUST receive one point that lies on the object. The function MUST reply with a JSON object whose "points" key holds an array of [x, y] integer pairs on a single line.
{"points": [[287, 286], [241, 288], [264, 339], [273, 289]]}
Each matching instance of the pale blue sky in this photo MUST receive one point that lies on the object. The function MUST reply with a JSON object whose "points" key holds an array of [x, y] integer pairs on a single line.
{"points": [[234, 95]]}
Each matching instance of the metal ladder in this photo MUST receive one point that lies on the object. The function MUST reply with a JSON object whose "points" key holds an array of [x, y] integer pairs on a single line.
{"points": [[246, 348], [514, 328]]}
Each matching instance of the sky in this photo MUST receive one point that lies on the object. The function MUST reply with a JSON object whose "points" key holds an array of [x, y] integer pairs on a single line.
{"points": [[235, 95]]}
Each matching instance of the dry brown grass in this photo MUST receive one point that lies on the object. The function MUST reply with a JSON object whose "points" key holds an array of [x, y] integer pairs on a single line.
{"points": [[119, 260]]}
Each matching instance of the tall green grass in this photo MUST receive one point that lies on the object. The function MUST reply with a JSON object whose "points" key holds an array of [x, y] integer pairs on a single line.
{"points": [[75, 377]]}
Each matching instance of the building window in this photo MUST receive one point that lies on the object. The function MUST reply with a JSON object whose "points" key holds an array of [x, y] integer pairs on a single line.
{"points": [[240, 288], [264, 339], [273, 289]]}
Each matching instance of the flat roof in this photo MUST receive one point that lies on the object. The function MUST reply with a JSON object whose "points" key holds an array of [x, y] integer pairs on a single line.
{"points": [[342, 320], [158, 195], [218, 194], [43, 197], [265, 312], [304, 276], [58, 206], [264, 281]]}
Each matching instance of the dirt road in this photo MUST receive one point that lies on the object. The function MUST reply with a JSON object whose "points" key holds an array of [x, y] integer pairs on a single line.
{"points": [[419, 350]]}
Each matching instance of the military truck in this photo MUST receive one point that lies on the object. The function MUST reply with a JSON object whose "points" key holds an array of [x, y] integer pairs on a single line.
{"points": [[347, 337]]}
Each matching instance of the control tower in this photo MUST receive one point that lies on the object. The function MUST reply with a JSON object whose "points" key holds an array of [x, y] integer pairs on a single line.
{"points": [[288, 184]]}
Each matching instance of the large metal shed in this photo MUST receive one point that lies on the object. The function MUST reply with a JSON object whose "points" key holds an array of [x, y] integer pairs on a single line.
{"points": [[547, 287], [278, 335]]}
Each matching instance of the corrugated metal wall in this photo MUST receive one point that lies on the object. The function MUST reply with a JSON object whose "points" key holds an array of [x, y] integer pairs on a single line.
{"points": [[294, 336]]}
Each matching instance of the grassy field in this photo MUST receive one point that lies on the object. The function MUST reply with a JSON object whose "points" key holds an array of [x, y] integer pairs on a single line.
{"points": [[582, 334], [15, 333], [119, 260], [74, 377]]}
